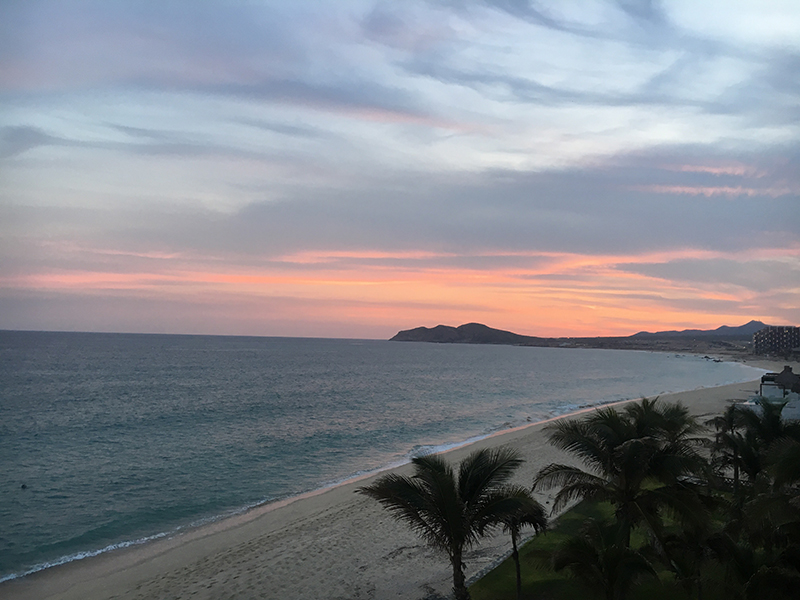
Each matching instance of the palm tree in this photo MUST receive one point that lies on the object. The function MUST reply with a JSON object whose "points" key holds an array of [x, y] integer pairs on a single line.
{"points": [[529, 514], [750, 574], [729, 444], [599, 557], [784, 460], [451, 512], [685, 553], [760, 543], [745, 438], [638, 460], [768, 423]]}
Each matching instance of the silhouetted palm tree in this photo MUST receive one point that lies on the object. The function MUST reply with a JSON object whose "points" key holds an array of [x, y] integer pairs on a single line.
{"points": [[744, 442], [767, 424], [784, 461], [638, 461], [729, 444], [751, 575], [760, 543], [686, 553], [600, 558], [451, 512], [529, 514]]}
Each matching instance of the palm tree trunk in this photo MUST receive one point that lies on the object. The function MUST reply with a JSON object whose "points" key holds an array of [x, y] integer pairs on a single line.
{"points": [[625, 524], [459, 580], [515, 554], [610, 595]]}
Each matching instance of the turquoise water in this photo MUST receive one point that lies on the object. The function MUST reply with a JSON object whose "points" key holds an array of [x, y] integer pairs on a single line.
{"points": [[110, 439]]}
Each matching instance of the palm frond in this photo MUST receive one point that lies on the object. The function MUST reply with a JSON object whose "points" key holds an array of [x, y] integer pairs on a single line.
{"points": [[682, 503], [580, 439], [485, 470], [582, 491], [575, 484], [784, 460], [443, 507], [450, 513], [407, 500], [511, 506], [598, 558], [554, 475]]}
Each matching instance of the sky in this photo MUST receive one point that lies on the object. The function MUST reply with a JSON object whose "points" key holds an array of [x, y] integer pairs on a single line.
{"points": [[351, 168]]}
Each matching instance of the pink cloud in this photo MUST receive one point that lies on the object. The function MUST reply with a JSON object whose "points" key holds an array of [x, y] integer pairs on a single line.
{"points": [[738, 169], [566, 294], [711, 191]]}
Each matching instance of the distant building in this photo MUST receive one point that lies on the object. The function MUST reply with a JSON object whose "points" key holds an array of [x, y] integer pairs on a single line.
{"points": [[776, 339]]}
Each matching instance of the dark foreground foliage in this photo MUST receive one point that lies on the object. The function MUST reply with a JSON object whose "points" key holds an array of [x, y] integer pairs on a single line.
{"points": [[666, 513]]}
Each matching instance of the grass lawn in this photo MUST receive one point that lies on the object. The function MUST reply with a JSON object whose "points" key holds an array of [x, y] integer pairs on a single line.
{"points": [[541, 582]]}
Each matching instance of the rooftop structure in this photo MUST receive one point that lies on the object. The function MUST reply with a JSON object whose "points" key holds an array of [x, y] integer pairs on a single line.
{"points": [[779, 384]]}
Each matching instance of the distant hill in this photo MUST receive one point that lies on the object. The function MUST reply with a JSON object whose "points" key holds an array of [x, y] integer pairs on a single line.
{"points": [[725, 338], [470, 333], [743, 331]]}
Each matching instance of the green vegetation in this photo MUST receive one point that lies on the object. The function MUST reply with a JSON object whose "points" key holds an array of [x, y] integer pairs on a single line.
{"points": [[539, 580], [452, 512], [529, 514], [664, 513]]}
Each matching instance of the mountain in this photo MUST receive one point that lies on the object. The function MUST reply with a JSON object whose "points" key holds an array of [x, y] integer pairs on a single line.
{"points": [[688, 340], [470, 333], [743, 331]]}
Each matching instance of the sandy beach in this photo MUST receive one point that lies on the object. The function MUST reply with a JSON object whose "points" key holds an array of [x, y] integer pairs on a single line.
{"points": [[332, 544]]}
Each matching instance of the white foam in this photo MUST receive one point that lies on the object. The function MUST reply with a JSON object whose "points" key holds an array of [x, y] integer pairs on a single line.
{"points": [[87, 554], [418, 450]]}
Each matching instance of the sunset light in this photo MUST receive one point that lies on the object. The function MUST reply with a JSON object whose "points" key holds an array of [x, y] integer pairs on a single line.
{"points": [[350, 172], [269, 268]]}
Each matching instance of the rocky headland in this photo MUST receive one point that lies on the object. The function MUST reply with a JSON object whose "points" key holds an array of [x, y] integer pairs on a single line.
{"points": [[730, 341]]}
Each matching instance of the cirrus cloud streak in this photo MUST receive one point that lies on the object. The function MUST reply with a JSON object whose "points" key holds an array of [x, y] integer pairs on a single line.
{"points": [[352, 168]]}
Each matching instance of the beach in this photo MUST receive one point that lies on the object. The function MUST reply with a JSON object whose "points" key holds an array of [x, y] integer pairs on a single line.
{"points": [[330, 544]]}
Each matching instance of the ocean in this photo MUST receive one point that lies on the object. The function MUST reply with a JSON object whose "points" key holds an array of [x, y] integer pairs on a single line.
{"points": [[108, 440]]}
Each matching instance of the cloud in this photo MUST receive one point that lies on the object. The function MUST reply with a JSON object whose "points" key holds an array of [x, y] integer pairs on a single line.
{"points": [[163, 43], [767, 24], [602, 210], [16, 140], [602, 162], [757, 275], [709, 191]]}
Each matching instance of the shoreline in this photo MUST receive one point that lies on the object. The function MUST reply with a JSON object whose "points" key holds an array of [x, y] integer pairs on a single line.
{"points": [[257, 508], [173, 562]]}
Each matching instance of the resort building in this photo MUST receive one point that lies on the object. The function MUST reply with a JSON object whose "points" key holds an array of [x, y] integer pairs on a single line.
{"points": [[776, 340], [779, 384]]}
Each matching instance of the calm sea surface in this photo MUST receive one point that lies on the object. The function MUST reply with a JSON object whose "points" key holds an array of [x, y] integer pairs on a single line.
{"points": [[110, 439]]}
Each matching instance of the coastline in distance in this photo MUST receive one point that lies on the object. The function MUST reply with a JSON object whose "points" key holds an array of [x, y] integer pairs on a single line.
{"points": [[733, 341]]}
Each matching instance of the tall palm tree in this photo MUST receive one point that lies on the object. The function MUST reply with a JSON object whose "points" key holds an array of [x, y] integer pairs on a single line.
{"points": [[760, 543], [529, 514], [729, 444], [784, 460], [768, 424], [637, 459], [451, 512], [745, 438]]}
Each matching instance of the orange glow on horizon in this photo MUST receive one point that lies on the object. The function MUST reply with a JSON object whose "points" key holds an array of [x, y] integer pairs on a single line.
{"points": [[553, 294]]}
